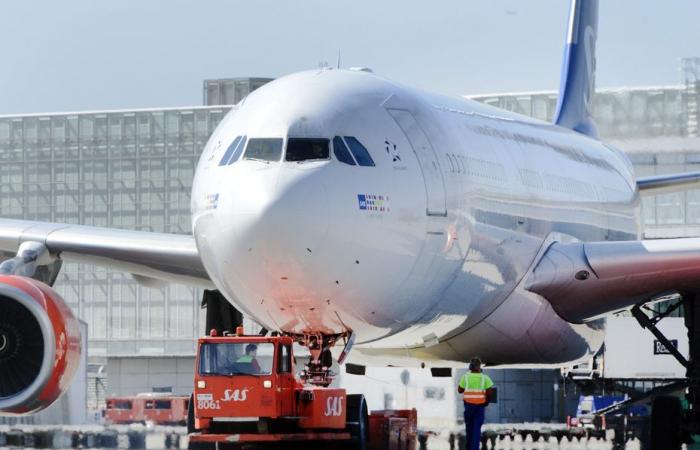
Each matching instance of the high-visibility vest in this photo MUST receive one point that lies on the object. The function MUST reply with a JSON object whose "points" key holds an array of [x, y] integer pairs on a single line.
{"points": [[475, 396], [245, 359]]}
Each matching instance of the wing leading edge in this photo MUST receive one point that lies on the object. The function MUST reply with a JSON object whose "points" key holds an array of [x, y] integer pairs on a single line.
{"points": [[148, 256], [664, 184]]}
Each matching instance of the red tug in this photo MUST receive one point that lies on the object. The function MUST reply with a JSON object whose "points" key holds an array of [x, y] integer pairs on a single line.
{"points": [[246, 392]]}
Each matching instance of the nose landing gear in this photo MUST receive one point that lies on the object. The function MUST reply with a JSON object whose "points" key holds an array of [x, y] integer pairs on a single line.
{"points": [[318, 370]]}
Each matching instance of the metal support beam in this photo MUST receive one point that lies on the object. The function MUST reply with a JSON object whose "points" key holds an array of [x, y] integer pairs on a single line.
{"points": [[650, 325], [635, 396], [691, 314]]}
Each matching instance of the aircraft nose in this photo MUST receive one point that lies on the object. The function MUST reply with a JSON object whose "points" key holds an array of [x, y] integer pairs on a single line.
{"points": [[298, 217], [277, 219]]}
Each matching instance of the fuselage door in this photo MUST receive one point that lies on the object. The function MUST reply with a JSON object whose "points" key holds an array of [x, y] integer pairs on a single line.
{"points": [[432, 175]]}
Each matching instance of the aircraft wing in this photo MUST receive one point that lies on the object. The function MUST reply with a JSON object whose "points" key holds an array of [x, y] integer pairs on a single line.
{"points": [[583, 280], [664, 184], [148, 256]]}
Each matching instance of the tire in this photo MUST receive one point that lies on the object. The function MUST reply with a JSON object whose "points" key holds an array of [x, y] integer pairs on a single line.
{"points": [[190, 416], [666, 417], [191, 429], [357, 421]]}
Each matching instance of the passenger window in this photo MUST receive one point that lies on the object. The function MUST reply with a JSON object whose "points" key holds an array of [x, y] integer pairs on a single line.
{"points": [[461, 164], [359, 152], [341, 151], [449, 158], [306, 149], [264, 149], [229, 151], [238, 151]]}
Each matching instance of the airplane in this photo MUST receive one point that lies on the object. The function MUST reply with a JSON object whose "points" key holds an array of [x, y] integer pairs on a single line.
{"points": [[340, 207]]}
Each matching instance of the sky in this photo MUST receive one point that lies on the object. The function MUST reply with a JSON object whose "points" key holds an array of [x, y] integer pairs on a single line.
{"points": [[74, 55]]}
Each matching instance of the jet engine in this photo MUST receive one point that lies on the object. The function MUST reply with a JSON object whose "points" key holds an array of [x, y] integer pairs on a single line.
{"points": [[39, 345]]}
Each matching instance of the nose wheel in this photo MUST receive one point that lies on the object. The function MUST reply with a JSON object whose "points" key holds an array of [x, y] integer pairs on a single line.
{"points": [[317, 371]]}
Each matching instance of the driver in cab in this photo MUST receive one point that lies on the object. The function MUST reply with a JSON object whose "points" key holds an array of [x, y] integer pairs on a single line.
{"points": [[250, 359]]}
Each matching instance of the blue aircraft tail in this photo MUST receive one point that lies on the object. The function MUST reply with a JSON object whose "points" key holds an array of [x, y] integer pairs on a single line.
{"points": [[577, 88]]}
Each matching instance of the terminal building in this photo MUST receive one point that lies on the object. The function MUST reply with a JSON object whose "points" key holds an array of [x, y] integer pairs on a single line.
{"points": [[133, 169]]}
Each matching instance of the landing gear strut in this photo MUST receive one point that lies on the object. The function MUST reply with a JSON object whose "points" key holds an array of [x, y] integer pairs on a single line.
{"points": [[318, 370], [670, 426]]}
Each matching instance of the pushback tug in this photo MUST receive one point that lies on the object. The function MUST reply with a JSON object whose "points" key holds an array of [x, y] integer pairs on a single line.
{"points": [[246, 392]]}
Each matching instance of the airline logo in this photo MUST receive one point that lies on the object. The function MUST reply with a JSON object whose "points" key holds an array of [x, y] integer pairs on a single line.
{"points": [[334, 407], [371, 202], [235, 395], [212, 201], [589, 49]]}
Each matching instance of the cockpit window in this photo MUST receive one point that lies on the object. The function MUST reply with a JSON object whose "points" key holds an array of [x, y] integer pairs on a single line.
{"points": [[341, 151], [238, 151], [264, 149], [359, 152], [307, 149], [229, 151]]}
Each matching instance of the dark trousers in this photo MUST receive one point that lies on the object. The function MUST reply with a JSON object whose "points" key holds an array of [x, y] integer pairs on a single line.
{"points": [[473, 420]]}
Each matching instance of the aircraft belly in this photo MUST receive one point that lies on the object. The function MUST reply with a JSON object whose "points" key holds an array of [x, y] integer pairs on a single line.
{"points": [[504, 338]]}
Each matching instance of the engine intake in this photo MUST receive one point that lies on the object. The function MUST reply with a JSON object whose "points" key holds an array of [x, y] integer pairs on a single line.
{"points": [[39, 345]]}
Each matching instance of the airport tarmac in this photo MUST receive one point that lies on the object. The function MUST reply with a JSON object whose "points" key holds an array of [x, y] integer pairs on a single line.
{"points": [[164, 437], [442, 444], [439, 443]]}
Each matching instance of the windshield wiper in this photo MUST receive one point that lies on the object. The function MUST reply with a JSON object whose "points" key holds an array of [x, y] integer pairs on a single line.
{"points": [[258, 159]]}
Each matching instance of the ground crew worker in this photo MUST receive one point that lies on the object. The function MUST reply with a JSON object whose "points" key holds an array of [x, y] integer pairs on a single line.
{"points": [[249, 358], [476, 389]]}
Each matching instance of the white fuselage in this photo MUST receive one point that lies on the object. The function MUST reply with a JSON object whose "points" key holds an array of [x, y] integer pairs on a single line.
{"points": [[422, 255]]}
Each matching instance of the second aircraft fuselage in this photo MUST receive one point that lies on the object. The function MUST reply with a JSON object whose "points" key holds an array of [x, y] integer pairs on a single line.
{"points": [[420, 250]]}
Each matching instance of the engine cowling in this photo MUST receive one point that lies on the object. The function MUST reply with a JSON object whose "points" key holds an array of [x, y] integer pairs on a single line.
{"points": [[39, 345]]}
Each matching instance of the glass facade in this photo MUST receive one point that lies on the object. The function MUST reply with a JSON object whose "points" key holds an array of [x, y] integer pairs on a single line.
{"points": [[623, 113], [121, 169], [229, 91]]}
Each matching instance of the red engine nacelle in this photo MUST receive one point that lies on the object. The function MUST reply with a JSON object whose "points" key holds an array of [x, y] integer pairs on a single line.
{"points": [[39, 345]]}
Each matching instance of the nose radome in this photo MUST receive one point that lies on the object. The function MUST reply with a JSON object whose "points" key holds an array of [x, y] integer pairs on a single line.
{"points": [[250, 192], [278, 219], [296, 222]]}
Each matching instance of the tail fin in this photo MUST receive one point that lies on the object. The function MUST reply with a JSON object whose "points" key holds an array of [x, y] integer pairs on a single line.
{"points": [[575, 103]]}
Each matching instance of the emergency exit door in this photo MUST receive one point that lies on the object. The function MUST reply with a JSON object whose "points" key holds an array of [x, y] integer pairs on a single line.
{"points": [[427, 160]]}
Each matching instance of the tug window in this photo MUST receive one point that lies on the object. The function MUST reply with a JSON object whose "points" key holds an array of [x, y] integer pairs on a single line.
{"points": [[299, 149], [158, 404], [359, 152], [235, 359], [264, 149], [119, 404], [341, 151]]}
